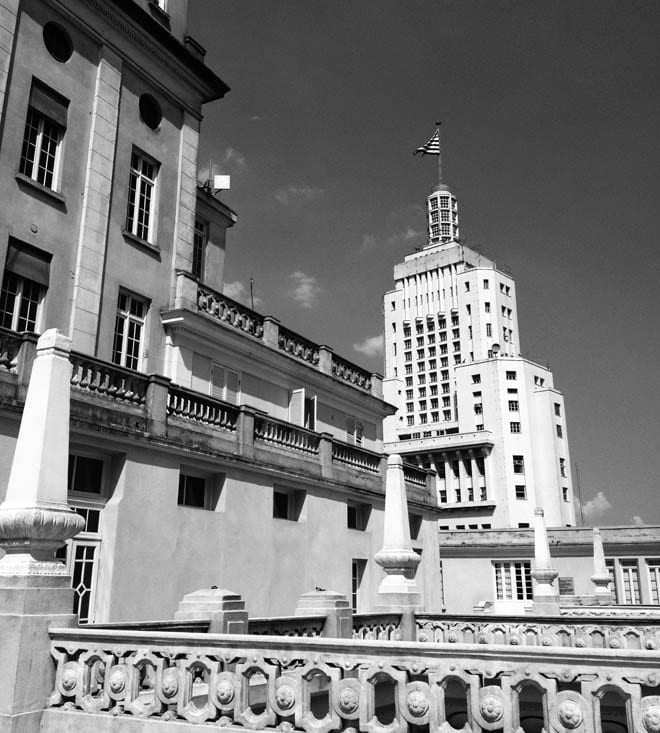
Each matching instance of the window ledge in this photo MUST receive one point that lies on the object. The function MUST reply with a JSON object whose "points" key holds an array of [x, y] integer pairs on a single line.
{"points": [[151, 248], [24, 180]]}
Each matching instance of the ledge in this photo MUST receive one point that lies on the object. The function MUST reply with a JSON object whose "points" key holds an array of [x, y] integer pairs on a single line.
{"points": [[56, 197], [153, 249]]}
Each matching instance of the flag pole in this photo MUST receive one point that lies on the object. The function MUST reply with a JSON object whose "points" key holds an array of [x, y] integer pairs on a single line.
{"points": [[439, 154]]}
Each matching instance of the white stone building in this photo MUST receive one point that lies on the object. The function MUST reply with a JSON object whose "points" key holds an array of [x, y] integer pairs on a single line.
{"points": [[488, 421]]}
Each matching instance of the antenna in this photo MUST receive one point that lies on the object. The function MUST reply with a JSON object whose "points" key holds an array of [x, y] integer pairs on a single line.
{"points": [[251, 291]]}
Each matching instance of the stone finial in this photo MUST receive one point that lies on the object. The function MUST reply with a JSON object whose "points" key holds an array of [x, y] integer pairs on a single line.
{"points": [[601, 577], [398, 589], [35, 518], [546, 597]]}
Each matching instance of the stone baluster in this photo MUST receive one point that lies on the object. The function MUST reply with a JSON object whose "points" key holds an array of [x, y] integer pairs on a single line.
{"points": [[35, 590], [546, 597], [601, 577], [398, 591]]}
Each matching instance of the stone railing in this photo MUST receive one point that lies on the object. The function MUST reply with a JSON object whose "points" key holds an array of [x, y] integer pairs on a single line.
{"points": [[414, 475], [377, 626], [355, 375], [100, 378], [356, 457], [286, 435], [228, 311], [189, 405], [321, 685], [10, 343], [302, 626], [637, 632], [298, 346]]}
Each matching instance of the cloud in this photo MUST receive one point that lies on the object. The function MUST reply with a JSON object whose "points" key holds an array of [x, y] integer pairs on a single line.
{"points": [[368, 242], [255, 118], [371, 346], [597, 506], [298, 194], [306, 289], [237, 291], [234, 159], [402, 236], [637, 520]]}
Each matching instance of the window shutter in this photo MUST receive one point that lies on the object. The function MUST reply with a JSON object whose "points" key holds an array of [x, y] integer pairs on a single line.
{"points": [[29, 263], [218, 382], [297, 407]]}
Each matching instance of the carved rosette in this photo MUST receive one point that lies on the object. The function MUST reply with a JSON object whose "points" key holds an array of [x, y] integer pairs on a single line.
{"points": [[346, 697], [286, 692], [571, 710], [650, 709], [417, 696], [31, 535], [491, 707]]}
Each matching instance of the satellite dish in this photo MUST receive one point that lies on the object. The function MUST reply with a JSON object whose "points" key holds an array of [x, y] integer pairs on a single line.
{"points": [[495, 348]]}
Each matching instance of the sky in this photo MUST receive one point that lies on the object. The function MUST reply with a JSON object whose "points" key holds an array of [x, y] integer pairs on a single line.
{"points": [[550, 115]]}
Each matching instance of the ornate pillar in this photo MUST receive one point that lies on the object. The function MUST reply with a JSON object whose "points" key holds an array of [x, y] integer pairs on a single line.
{"points": [[398, 590], [601, 577], [546, 597], [35, 591]]}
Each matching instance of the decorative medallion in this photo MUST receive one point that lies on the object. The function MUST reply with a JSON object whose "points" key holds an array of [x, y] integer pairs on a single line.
{"points": [[285, 696], [417, 703], [570, 715], [491, 708], [170, 683], [225, 692], [348, 700], [117, 680], [70, 676], [651, 719], [452, 638]]}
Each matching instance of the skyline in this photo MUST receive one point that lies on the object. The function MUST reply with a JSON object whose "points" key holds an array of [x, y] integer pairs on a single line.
{"points": [[549, 142]]}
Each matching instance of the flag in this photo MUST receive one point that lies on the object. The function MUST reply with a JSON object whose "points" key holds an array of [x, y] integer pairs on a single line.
{"points": [[432, 147]]}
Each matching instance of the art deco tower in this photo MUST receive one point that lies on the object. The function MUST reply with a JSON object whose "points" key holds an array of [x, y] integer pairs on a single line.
{"points": [[489, 422]]}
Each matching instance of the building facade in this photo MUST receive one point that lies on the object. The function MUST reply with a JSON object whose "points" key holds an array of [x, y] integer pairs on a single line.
{"points": [[210, 445], [489, 422]]}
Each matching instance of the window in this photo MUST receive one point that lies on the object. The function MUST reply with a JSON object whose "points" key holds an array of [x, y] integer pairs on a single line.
{"points": [[407, 344], [630, 576], [653, 568], [141, 196], [446, 415], [478, 408], [560, 432], [467, 287], [409, 381], [487, 307], [420, 341], [43, 135], [58, 42], [513, 581], [407, 355], [511, 376], [409, 394], [557, 409], [446, 401], [523, 525], [415, 523], [200, 241], [423, 419], [512, 390], [513, 405], [518, 464], [486, 284], [422, 391], [410, 420], [564, 493], [192, 491], [85, 474], [358, 567], [476, 379], [434, 203], [406, 331], [562, 467], [479, 427], [288, 503], [419, 327], [357, 516], [489, 329], [150, 111], [129, 330], [354, 431], [521, 491], [24, 285]]}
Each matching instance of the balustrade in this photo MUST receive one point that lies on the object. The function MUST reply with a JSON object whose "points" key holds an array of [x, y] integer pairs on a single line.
{"points": [[597, 633], [108, 380], [200, 408], [229, 311], [414, 475], [321, 685], [301, 626], [285, 434], [358, 377], [353, 455], [298, 346], [377, 626]]}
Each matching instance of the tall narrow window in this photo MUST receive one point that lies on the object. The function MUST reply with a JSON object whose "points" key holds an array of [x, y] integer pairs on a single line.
{"points": [[24, 285], [129, 331], [43, 135], [358, 567], [354, 431], [199, 248], [513, 580], [630, 575], [653, 567], [141, 196]]}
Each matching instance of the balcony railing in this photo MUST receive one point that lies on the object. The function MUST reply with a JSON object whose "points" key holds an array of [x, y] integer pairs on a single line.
{"points": [[355, 375], [10, 343], [228, 311], [199, 408], [286, 435], [100, 378], [414, 475], [377, 626], [298, 346], [356, 457], [301, 626], [319, 685]]}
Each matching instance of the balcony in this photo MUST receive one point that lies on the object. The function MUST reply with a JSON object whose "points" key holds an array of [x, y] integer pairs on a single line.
{"points": [[116, 401], [480, 440]]}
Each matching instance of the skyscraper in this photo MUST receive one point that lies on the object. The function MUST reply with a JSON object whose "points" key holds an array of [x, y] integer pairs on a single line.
{"points": [[489, 421]]}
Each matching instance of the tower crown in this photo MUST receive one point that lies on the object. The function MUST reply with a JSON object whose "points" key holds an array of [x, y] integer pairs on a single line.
{"points": [[442, 215]]}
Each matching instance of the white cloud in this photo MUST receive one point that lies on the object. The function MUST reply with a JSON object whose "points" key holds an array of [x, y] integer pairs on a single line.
{"points": [[402, 236], [371, 346], [306, 289], [597, 506], [237, 291], [368, 242], [234, 159], [255, 118], [297, 194], [637, 520]]}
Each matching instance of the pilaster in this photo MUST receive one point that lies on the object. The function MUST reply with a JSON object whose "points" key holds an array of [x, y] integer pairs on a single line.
{"points": [[8, 16]]}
